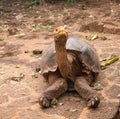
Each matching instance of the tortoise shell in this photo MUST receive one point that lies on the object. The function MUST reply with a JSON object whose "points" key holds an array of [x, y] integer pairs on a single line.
{"points": [[86, 53]]}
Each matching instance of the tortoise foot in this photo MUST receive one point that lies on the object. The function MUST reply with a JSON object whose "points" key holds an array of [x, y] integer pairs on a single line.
{"points": [[93, 102], [44, 102]]}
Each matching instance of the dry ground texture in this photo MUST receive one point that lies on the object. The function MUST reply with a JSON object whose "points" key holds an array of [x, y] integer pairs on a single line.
{"points": [[25, 28]]}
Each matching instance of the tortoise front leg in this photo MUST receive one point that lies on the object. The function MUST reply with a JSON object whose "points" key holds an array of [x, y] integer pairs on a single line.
{"points": [[54, 91], [84, 90]]}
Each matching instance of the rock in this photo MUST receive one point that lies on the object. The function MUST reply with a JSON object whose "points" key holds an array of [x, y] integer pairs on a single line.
{"points": [[34, 75], [12, 31], [17, 66], [2, 73], [37, 69], [73, 110], [19, 16], [37, 52], [61, 104], [26, 51]]}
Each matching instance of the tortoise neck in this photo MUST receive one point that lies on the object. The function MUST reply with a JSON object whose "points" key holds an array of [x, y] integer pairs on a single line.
{"points": [[62, 60]]}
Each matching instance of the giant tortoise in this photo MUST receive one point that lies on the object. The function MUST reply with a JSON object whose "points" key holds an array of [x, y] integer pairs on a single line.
{"points": [[69, 63]]}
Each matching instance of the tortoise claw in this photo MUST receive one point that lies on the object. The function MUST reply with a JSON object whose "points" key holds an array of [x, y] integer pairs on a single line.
{"points": [[93, 102], [44, 102]]}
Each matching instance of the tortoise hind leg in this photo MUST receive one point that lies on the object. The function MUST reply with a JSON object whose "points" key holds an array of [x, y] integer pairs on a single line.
{"points": [[54, 91], [84, 90]]}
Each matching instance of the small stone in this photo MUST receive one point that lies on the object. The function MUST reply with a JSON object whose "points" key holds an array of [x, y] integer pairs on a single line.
{"points": [[61, 104], [37, 52], [19, 16], [73, 110], [12, 31], [14, 13], [26, 51], [39, 58], [22, 75], [34, 75], [17, 66], [37, 69], [40, 72], [1, 73], [118, 95], [53, 106], [91, 16]]}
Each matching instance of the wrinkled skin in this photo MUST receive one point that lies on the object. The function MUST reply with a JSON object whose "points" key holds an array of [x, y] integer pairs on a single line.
{"points": [[59, 85]]}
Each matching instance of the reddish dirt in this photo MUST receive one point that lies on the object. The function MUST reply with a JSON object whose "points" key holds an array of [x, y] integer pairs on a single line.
{"points": [[20, 34]]}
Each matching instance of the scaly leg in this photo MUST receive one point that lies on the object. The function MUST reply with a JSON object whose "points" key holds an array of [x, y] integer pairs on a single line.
{"points": [[54, 91], [84, 90]]}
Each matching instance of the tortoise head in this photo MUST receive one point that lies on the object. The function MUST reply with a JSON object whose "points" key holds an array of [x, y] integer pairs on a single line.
{"points": [[60, 34]]}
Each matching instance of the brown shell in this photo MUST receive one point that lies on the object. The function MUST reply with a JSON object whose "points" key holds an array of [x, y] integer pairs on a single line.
{"points": [[87, 55]]}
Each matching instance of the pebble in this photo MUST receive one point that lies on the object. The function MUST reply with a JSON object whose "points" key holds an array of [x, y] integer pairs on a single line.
{"points": [[34, 75], [1, 73]]}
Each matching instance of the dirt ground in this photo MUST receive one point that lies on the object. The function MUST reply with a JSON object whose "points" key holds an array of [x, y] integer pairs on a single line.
{"points": [[23, 30]]}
